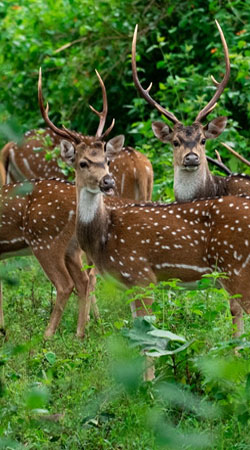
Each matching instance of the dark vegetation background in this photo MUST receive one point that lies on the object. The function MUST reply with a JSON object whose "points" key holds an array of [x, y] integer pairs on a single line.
{"points": [[67, 394], [178, 49]]}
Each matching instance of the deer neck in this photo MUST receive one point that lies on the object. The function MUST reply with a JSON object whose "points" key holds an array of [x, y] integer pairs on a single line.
{"points": [[189, 185], [92, 224], [90, 204]]}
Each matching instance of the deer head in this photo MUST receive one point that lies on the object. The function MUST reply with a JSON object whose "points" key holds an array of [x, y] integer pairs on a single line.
{"points": [[90, 160], [188, 141], [89, 155]]}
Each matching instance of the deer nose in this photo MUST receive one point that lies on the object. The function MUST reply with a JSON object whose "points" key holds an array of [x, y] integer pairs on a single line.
{"points": [[107, 184], [191, 159]]}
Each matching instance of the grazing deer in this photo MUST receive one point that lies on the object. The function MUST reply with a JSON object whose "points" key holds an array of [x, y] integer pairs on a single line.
{"points": [[132, 170], [192, 177]]}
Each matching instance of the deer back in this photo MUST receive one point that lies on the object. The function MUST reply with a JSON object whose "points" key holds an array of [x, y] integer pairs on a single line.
{"points": [[37, 218], [142, 243], [235, 184], [28, 160], [132, 170]]}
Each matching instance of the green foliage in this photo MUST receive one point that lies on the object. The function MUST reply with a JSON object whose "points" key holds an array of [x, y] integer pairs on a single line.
{"points": [[67, 394], [152, 340], [178, 49], [90, 394]]}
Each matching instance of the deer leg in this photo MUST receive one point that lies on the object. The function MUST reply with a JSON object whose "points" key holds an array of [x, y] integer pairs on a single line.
{"points": [[81, 281], [93, 301], [63, 291], [235, 286], [142, 308], [1, 308], [237, 316], [58, 274]]}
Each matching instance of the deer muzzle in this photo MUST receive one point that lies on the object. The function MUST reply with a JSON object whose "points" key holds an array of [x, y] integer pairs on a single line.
{"points": [[191, 161], [107, 185]]}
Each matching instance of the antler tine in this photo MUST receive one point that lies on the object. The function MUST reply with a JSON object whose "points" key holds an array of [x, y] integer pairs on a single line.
{"points": [[64, 133], [219, 164], [105, 134], [103, 114], [218, 156], [74, 135], [145, 92], [220, 86], [216, 83], [241, 158]]}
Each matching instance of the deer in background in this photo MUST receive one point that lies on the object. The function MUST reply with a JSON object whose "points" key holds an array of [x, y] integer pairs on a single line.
{"points": [[192, 177], [132, 170], [42, 223]]}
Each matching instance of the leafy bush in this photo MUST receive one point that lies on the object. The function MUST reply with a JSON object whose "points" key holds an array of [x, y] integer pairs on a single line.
{"points": [[178, 49], [65, 394]]}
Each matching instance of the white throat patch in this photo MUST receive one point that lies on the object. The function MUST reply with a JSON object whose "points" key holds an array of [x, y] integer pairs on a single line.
{"points": [[188, 184], [88, 204]]}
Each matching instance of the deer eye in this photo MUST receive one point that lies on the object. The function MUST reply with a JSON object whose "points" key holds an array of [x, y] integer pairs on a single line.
{"points": [[203, 141], [108, 162], [175, 143], [83, 164]]}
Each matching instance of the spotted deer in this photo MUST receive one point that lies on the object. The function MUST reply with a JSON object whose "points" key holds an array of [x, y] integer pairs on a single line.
{"points": [[139, 243], [134, 177], [38, 217], [192, 177], [132, 170], [40, 220]]}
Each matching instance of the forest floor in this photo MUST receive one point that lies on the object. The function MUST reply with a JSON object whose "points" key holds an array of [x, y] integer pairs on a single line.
{"points": [[67, 393]]}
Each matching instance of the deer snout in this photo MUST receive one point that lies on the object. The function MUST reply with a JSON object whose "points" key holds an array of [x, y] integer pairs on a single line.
{"points": [[191, 160], [107, 185]]}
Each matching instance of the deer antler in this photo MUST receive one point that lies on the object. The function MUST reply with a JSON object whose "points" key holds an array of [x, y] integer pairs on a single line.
{"points": [[103, 114], [218, 162], [220, 86], [63, 133], [241, 158], [145, 92]]}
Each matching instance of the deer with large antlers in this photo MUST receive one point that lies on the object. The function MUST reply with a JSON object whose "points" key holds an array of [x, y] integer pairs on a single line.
{"points": [[192, 177], [29, 226], [132, 170]]}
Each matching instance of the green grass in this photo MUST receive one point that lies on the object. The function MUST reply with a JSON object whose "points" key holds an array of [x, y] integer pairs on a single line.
{"points": [[71, 394]]}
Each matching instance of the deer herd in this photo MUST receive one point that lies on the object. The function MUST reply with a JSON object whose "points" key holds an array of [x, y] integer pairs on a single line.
{"points": [[108, 213]]}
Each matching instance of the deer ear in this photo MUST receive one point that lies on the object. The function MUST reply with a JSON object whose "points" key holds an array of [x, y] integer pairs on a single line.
{"points": [[114, 146], [162, 131], [215, 127], [68, 152]]}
